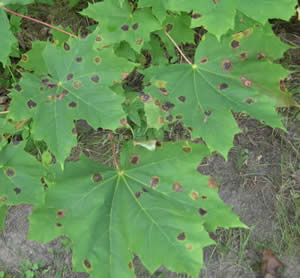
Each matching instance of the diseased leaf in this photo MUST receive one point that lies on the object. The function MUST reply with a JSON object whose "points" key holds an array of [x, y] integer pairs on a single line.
{"points": [[156, 203], [20, 177], [271, 264], [234, 75], [77, 88]]}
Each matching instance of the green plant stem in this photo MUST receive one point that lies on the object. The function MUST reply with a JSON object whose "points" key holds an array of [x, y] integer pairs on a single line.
{"points": [[40, 22]]}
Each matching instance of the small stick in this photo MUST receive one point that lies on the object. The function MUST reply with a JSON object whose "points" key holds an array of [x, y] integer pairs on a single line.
{"points": [[177, 47], [4, 112], [113, 150], [40, 22]]}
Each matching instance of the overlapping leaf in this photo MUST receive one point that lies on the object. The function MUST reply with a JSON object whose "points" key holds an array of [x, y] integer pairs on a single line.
{"points": [[77, 87], [122, 23], [20, 177], [218, 16], [236, 75], [157, 203]]}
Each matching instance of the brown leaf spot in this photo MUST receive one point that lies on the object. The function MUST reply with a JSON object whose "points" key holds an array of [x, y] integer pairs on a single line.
{"points": [[161, 120], [194, 195], [207, 113], [78, 59], [203, 197], [98, 38], [72, 104], [77, 84], [97, 178], [134, 160], [97, 60], [3, 199], [60, 213], [87, 264], [190, 247], [52, 86], [196, 16], [260, 56], [169, 118], [125, 28], [130, 266], [235, 44], [66, 46], [123, 122], [95, 78], [135, 26], [70, 76], [10, 172], [138, 194], [249, 100], [244, 56], [177, 187], [139, 41], [45, 81], [178, 117], [160, 83], [186, 149], [169, 27], [182, 98], [74, 131], [282, 86], [154, 181], [212, 183], [18, 88], [31, 104], [227, 65], [204, 60], [58, 225], [246, 82], [24, 58], [163, 91], [17, 190], [167, 106], [223, 86], [202, 211], [181, 236], [145, 97]]}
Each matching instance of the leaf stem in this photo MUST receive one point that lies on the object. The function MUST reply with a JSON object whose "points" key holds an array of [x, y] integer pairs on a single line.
{"points": [[113, 150], [177, 47], [40, 22], [4, 112]]}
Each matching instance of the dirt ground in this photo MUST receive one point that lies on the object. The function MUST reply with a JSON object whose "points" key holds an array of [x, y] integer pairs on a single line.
{"points": [[260, 180]]}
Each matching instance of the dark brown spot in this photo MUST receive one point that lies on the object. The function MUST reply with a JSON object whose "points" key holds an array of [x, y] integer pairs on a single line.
{"points": [[260, 56], [227, 65], [202, 211], [24, 58], [77, 84], [78, 59], [167, 106], [70, 76], [195, 195], [60, 214], [17, 190], [10, 172], [45, 81], [87, 264], [145, 97], [52, 86], [98, 38], [72, 104], [123, 122], [157, 102], [169, 118], [181, 236], [249, 100], [139, 41], [125, 27], [65, 92], [95, 78], [178, 117], [31, 104], [138, 194], [134, 159], [18, 88], [195, 16], [246, 82], [244, 56], [66, 46], [135, 26], [163, 91], [159, 144], [97, 178], [58, 225], [145, 190], [182, 98], [177, 187], [83, 36], [169, 27], [97, 60], [186, 149], [207, 113], [223, 86], [204, 60], [154, 181], [203, 197], [235, 44]]}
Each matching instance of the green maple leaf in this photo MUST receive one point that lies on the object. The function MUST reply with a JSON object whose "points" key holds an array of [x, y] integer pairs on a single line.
{"points": [[122, 23], [20, 177], [156, 204], [77, 87], [207, 12], [235, 75]]}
